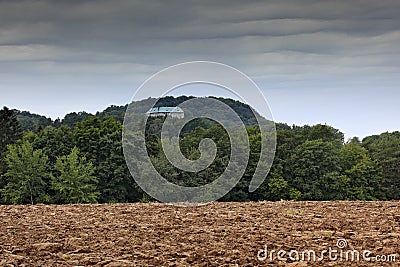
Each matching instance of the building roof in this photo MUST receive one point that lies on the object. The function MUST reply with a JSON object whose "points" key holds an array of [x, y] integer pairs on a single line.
{"points": [[165, 110]]}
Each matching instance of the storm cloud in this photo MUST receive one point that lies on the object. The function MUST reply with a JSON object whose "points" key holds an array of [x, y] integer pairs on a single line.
{"points": [[248, 33], [283, 45]]}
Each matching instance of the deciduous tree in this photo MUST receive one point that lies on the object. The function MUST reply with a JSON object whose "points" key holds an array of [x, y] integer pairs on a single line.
{"points": [[26, 175], [75, 181]]}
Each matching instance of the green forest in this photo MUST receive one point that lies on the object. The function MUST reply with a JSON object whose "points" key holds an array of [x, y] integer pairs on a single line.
{"points": [[79, 159]]}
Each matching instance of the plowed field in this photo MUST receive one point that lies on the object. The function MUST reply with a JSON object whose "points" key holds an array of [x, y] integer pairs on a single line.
{"points": [[217, 234]]}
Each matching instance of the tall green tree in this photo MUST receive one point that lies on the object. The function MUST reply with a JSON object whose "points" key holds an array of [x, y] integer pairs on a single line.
{"points": [[75, 182], [26, 175], [313, 169], [385, 148], [101, 143], [87, 136], [364, 176], [115, 181], [10, 131]]}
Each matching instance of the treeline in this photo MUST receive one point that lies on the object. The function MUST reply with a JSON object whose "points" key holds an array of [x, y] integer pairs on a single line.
{"points": [[311, 163], [80, 160], [61, 165], [34, 122]]}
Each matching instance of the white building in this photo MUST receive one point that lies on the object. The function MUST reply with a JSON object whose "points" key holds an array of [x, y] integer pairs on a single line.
{"points": [[175, 112]]}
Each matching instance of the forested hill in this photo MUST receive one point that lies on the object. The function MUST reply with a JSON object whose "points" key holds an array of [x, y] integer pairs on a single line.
{"points": [[35, 122], [32, 122], [80, 159]]}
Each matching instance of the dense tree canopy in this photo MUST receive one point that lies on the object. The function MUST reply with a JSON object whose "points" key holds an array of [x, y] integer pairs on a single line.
{"points": [[80, 159]]}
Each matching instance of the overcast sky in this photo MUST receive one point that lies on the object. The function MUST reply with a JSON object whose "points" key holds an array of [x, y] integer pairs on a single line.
{"points": [[334, 62]]}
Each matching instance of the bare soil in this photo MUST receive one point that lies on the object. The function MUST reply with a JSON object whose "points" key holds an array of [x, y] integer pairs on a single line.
{"points": [[217, 234]]}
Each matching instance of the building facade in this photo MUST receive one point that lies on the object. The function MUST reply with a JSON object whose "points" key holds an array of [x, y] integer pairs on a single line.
{"points": [[174, 112]]}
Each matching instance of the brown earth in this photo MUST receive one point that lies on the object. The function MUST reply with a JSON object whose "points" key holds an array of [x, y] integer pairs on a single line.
{"points": [[218, 234]]}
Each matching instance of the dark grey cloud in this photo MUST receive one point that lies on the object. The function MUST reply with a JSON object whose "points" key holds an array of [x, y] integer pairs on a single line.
{"points": [[122, 23], [163, 32], [284, 37], [284, 45]]}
